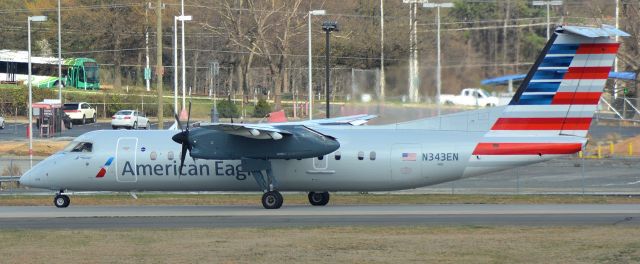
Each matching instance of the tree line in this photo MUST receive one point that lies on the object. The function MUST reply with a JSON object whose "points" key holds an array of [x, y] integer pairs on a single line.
{"points": [[261, 45]]}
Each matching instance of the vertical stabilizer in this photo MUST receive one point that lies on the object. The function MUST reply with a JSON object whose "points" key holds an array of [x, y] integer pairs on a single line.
{"points": [[552, 110]]}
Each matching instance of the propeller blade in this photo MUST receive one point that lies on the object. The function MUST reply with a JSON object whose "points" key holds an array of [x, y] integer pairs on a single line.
{"points": [[175, 115], [183, 155], [189, 116]]}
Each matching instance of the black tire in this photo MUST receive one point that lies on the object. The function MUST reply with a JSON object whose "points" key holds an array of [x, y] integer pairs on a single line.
{"points": [[70, 125], [135, 126], [84, 119], [318, 198], [61, 201], [272, 200], [94, 118]]}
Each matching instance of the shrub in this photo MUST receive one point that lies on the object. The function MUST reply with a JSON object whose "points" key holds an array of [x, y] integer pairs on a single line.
{"points": [[228, 109], [262, 108]]}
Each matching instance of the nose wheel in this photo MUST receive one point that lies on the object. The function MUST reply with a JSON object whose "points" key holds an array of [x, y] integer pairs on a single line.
{"points": [[61, 201], [318, 198]]}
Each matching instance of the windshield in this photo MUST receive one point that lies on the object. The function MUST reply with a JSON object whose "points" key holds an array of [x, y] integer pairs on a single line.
{"points": [[92, 74], [484, 92], [76, 146], [70, 107], [123, 112]]}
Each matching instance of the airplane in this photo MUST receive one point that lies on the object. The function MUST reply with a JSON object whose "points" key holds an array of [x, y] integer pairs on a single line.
{"points": [[548, 117]]}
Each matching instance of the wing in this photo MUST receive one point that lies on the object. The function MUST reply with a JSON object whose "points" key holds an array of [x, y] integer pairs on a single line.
{"points": [[354, 120], [255, 131]]}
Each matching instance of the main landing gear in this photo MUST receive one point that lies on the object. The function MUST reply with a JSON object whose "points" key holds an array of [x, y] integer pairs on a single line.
{"points": [[271, 199], [318, 198], [61, 200]]}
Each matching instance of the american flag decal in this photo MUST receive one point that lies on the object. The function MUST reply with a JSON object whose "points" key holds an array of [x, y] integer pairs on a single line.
{"points": [[409, 156]]}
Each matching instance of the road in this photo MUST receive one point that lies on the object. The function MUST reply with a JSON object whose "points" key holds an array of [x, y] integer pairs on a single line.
{"points": [[18, 131], [78, 217]]}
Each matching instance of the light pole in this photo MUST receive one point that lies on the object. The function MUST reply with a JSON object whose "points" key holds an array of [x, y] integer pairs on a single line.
{"points": [[548, 4], [439, 65], [328, 27], [59, 57], [184, 65], [311, 13], [29, 19], [175, 62], [615, 60]]}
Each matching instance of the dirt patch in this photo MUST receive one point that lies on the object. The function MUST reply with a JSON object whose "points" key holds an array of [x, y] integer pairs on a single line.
{"points": [[40, 147]]}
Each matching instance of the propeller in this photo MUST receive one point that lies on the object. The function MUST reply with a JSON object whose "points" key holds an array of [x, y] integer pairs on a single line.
{"points": [[183, 138]]}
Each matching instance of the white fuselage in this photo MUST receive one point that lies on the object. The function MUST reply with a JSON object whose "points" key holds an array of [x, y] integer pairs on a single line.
{"points": [[370, 159]]}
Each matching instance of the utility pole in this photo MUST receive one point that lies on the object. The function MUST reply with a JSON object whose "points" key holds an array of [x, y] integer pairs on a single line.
{"points": [[615, 60], [382, 78], [159, 68], [147, 70], [414, 80], [59, 57], [548, 4], [439, 64]]}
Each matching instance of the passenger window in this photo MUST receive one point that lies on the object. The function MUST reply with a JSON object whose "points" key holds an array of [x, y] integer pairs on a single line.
{"points": [[372, 155], [153, 155], [170, 155], [360, 155], [320, 157], [337, 155], [83, 147]]}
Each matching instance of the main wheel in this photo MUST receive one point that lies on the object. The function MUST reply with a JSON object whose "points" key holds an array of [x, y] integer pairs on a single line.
{"points": [[272, 200], [61, 201], [318, 198]]}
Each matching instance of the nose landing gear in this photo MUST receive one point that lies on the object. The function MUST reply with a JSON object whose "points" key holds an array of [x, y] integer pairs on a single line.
{"points": [[61, 200]]}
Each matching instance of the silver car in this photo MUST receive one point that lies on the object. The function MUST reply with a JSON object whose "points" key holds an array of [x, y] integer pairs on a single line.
{"points": [[130, 119]]}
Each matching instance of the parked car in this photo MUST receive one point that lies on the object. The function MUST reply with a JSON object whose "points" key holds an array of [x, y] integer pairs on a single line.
{"points": [[1, 122], [470, 96], [130, 119], [80, 112]]}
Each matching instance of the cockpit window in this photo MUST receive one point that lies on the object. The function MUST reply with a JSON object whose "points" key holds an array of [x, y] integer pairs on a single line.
{"points": [[79, 147]]}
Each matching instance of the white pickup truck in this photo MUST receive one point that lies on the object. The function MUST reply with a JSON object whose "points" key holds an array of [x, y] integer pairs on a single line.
{"points": [[470, 96]]}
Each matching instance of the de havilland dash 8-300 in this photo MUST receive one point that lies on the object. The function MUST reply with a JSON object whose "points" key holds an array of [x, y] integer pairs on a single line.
{"points": [[549, 116]]}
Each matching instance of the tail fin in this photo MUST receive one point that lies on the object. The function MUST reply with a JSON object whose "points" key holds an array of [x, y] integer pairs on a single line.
{"points": [[561, 91], [559, 95]]}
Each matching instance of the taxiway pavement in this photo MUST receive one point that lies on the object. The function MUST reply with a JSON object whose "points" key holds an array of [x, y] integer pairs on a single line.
{"points": [[100, 217]]}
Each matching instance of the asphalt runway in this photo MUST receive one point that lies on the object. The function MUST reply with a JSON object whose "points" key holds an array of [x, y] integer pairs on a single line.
{"points": [[117, 217]]}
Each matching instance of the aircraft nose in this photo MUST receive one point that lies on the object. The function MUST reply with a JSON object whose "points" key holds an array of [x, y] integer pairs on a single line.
{"points": [[26, 179]]}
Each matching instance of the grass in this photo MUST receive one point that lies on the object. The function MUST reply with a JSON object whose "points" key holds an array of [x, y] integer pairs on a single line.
{"points": [[336, 199], [439, 244]]}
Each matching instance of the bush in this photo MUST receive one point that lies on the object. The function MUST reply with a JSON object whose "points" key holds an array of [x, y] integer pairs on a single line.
{"points": [[227, 109], [262, 108]]}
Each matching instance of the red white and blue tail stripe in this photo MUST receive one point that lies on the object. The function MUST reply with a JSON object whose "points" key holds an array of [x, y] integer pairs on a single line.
{"points": [[553, 108]]}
